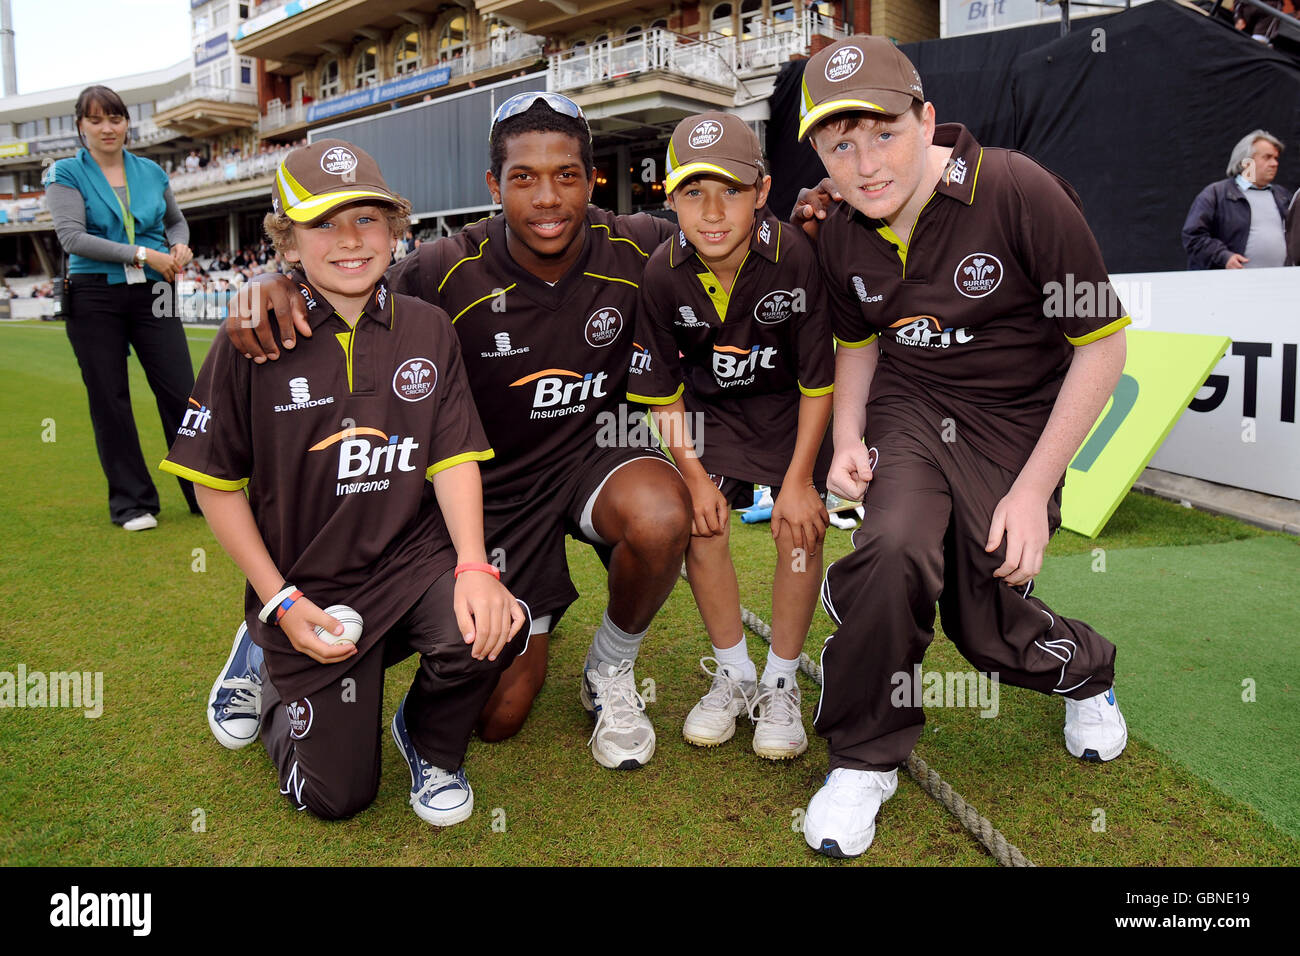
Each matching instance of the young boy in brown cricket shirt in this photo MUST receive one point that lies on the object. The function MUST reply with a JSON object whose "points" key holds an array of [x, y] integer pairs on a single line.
{"points": [[360, 452], [972, 401], [738, 294]]}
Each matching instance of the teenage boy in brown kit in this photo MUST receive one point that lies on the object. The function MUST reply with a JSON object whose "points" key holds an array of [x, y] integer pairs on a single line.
{"points": [[958, 406]]}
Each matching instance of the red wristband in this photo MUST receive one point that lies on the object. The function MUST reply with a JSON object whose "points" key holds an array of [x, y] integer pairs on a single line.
{"points": [[478, 566]]}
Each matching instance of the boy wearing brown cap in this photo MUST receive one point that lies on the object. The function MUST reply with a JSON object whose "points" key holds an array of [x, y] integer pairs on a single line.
{"points": [[958, 405], [737, 296], [374, 422]]}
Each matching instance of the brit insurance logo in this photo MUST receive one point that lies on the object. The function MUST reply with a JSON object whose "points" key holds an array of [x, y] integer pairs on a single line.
{"points": [[844, 63], [300, 716], [338, 160], [415, 379], [977, 275], [603, 327], [775, 307], [196, 420], [705, 134]]}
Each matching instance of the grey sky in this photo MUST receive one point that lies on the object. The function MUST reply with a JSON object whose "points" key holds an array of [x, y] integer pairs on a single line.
{"points": [[75, 42]]}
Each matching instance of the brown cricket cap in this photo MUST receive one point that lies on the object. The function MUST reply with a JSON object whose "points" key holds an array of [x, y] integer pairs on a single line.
{"points": [[866, 73], [713, 144], [313, 181]]}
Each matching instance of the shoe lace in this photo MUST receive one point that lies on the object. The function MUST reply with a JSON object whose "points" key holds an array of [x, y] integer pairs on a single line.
{"points": [[777, 705], [620, 704], [723, 688], [435, 778], [245, 697]]}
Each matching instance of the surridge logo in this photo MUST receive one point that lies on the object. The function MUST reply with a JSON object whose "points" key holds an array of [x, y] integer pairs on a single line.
{"points": [[415, 379], [705, 134], [558, 391], [196, 420], [603, 327], [338, 160], [843, 63], [300, 396], [688, 317], [503, 347], [925, 331], [860, 288], [737, 366], [978, 275], [775, 307], [300, 715]]}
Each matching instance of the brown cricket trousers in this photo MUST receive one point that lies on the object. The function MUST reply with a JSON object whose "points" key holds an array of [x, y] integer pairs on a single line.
{"points": [[927, 514]]}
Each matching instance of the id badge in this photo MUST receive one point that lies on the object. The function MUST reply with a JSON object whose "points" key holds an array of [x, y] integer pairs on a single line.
{"points": [[134, 275]]}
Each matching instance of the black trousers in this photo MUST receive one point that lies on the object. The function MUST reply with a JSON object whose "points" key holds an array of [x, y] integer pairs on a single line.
{"points": [[928, 510], [326, 746], [107, 321]]}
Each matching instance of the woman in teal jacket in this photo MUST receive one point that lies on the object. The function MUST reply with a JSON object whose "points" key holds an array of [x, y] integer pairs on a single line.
{"points": [[115, 216]]}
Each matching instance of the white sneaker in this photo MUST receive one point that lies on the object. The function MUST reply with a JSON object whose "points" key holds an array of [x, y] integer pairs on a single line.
{"points": [[1094, 728], [841, 818], [140, 523], [713, 720], [623, 738], [778, 730]]}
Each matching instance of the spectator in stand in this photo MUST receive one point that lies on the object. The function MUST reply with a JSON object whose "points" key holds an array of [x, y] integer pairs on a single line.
{"points": [[192, 161], [1237, 223], [1256, 23]]}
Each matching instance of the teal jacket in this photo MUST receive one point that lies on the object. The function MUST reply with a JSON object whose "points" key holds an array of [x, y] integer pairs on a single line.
{"points": [[146, 182]]}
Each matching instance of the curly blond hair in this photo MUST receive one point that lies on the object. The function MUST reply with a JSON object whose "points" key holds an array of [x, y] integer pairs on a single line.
{"points": [[279, 227]]}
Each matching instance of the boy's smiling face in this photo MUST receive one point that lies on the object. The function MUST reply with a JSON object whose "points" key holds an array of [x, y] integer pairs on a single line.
{"points": [[717, 214], [876, 162], [345, 254]]}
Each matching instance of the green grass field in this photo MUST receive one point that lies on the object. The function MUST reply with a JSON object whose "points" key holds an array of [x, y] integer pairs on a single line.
{"points": [[1197, 604]]}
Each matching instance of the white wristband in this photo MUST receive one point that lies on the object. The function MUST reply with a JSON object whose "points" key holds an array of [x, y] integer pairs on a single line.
{"points": [[274, 603]]}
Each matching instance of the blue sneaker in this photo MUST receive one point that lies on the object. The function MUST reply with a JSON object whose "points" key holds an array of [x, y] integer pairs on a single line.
{"points": [[235, 704], [1094, 728], [437, 796]]}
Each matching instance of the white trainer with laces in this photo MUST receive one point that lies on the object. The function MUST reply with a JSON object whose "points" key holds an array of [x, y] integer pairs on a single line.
{"points": [[623, 738], [841, 818], [712, 721], [778, 727], [1094, 728]]}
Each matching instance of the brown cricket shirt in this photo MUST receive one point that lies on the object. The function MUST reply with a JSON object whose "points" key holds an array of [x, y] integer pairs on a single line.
{"points": [[336, 443], [546, 363], [977, 312], [746, 355]]}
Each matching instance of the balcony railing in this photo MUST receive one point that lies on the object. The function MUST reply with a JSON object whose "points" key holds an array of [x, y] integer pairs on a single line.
{"points": [[215, 94], [278, 115], [718, 59], [221, 170]]}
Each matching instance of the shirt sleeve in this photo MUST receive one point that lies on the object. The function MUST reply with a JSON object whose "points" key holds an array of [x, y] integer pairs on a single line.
{"points": [[1059, 245], [176, 229], [458, 434], [812, 340], [655, 377], [850, 329], [647, 231], [214, 444]]}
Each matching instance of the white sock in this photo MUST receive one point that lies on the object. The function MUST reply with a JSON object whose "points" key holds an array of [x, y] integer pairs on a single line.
{"points": [[736, 661], [778, 667]]}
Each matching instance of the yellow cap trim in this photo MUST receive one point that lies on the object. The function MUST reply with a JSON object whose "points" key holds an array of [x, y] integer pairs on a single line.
{"points": [[818, 113], [674, 178], [313, 207]]}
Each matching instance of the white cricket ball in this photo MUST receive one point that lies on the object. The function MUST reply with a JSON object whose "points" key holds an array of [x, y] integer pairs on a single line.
{"points": [[350, 620]]}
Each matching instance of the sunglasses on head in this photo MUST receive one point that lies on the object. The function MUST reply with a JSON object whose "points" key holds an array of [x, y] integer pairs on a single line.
{"points": [[523, 102]]}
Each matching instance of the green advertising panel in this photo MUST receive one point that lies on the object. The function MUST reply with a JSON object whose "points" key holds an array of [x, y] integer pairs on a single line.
{"points": [[1163, 372]]}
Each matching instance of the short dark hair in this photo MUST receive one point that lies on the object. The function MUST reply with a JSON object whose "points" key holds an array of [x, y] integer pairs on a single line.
{"points": [[539, 118], [852, 119], [109, 102]]}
